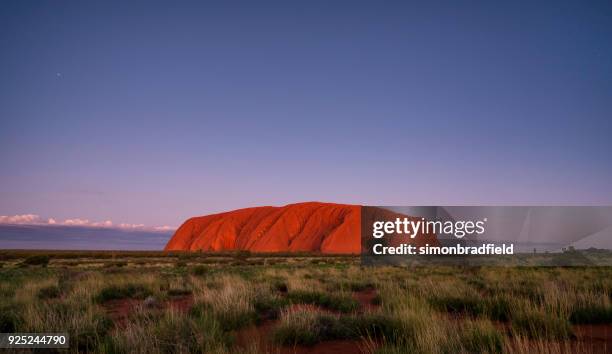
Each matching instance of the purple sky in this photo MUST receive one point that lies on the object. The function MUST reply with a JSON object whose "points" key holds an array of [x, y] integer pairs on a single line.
{"points": [[151, 112]]}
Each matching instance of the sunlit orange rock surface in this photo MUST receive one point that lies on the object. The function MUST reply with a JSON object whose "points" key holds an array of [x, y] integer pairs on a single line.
{"points": [[302, 227]]}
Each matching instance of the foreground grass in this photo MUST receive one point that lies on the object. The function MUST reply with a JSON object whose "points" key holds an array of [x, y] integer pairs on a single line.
{"points": [[110, 305]]}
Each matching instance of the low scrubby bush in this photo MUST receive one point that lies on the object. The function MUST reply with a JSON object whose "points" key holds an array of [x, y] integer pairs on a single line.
{"points": [[309, 327], [467, 304], [116, 292], [40, 260], [333, 302], [228, 318], [268, 306]]}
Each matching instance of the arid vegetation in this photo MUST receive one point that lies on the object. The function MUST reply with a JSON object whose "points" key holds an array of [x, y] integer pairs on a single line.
{"points": [[211, 303]]}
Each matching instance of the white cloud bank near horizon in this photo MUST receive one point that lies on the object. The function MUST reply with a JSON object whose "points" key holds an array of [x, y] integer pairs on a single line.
{"points": [[33, 219]]}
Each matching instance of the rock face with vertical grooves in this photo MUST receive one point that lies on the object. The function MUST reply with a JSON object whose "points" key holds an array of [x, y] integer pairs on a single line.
{"points": [[303, 227]]}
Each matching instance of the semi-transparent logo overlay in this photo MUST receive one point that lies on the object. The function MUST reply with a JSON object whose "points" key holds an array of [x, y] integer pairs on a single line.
{"points": [[487, 235]]}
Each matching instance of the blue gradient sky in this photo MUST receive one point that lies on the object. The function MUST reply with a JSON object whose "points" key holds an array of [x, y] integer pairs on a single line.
{"points": [[151, 112]]}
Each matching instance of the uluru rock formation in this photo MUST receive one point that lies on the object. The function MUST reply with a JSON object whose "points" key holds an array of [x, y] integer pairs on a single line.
{"points": [[302, 227]]}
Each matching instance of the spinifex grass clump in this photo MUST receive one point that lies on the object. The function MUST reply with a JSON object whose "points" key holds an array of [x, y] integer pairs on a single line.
{"points": [[591, 314], [171, 332], [468, 304], [481, 337], [538, 324], [379, 326], [116, 292], [230, 302], [498, 307], [311, 326], [308, 328], [341, 303], [227, 319], [268, 305]]}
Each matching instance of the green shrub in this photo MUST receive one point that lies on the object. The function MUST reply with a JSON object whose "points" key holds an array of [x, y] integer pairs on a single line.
{"points": [[468, 304], [378, 326], [268, 306], [333, 302], [40, 259], [235, 320], [115, 292], [288, 334], [311, 327]]}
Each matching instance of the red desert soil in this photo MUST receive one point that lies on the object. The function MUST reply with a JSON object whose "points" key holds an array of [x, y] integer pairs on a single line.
{"points": [[596, 338], [366, 299], [303, 227], [120, 310]]}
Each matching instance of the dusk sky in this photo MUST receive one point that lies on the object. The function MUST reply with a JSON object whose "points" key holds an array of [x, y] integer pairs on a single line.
{"points": [[152, 112]]}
